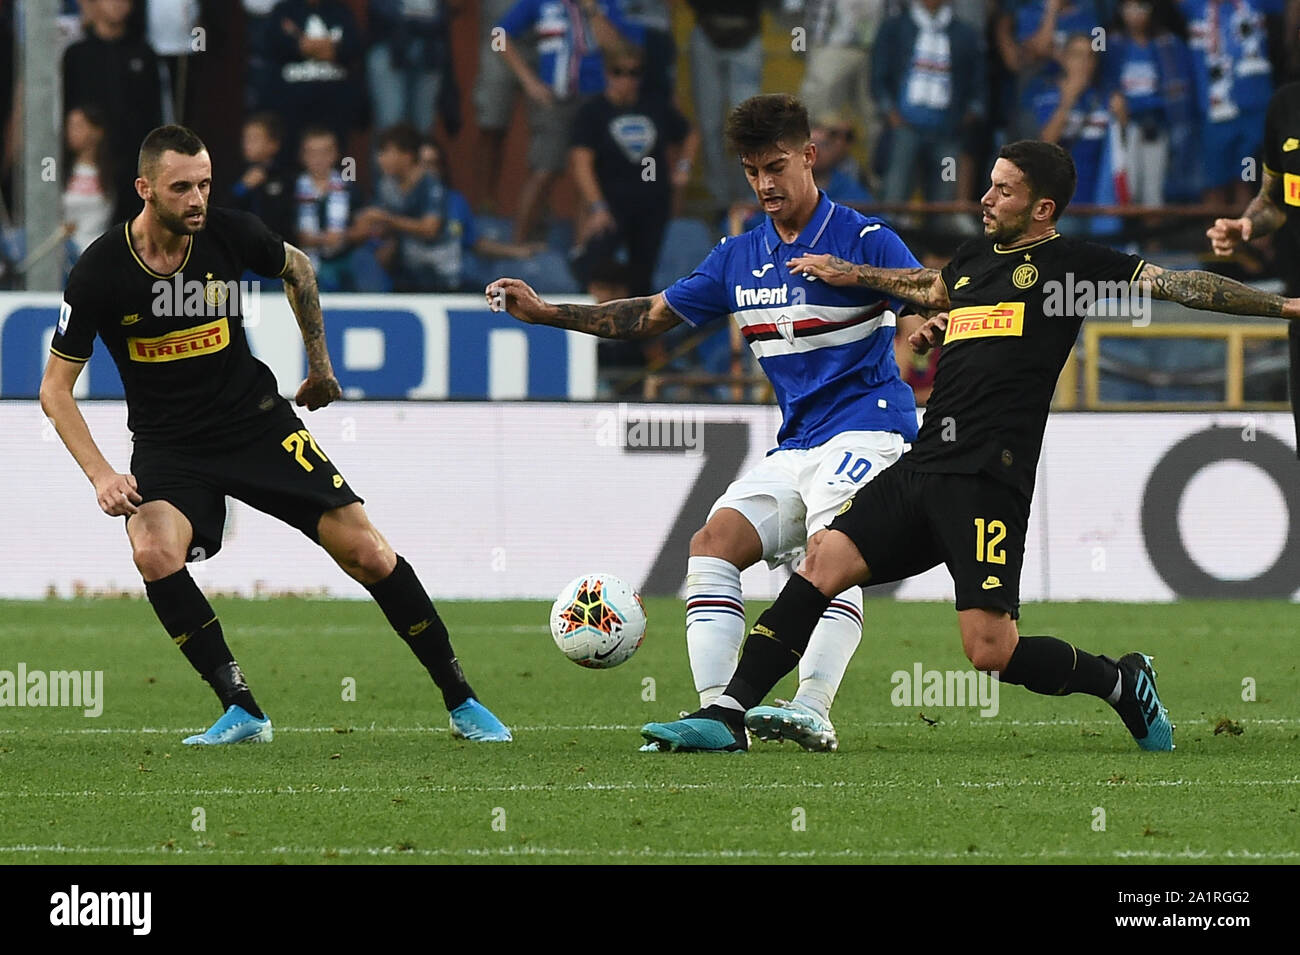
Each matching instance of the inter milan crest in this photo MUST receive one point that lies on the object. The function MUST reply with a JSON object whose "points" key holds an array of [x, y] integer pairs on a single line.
{"points": [[1024, 276], [635, 134]]}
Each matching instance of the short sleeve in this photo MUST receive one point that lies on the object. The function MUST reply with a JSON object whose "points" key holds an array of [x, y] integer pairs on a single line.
{"points": [[880, 246], [519, 18], [586, 125], [951, 273], [261, 249], [702, 296], [79, 320], [1272, 141], [1104, 264]]}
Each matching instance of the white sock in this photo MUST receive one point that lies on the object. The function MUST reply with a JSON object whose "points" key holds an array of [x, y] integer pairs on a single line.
{"points": [[728, 703], [715, 623], [1116, 693], [830, 649]]}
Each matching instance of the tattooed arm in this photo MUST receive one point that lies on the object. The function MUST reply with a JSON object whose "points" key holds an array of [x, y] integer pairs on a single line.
{"points": [[642, 317], [321, 387], [1264, 215], [923, 286], [1215, 293]]}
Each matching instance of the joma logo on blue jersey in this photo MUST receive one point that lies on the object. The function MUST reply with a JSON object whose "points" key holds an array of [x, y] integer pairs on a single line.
{"points": [[761, 296]]}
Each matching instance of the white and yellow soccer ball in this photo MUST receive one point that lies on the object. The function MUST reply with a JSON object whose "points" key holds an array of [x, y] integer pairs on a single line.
{"points": [[598, 621]]}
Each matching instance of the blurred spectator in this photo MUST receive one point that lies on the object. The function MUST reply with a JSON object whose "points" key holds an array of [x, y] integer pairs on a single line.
{"points": [[409, 62], [570, 37], [838, 73], [654, 18], [608, 280], [170, 26], [87, 196], [1233, 79], [314, 48], [1151, 68], [629, 153], [1076, 110], [1031, 35], [912, 77], [259, 71], [118, 75], [418, 228], [835, 169], [495, 90], [726, 68], [325, 201], [265, 187]]}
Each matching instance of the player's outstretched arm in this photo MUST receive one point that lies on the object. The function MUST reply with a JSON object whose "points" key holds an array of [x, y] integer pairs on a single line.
{"points": [[922, 286], [1264, 215], [642, 317], [1198, 289], [321, 387], [117, 493]]}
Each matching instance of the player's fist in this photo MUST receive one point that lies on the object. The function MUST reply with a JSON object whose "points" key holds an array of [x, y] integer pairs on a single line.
{"points": [[1227, 234], [930, 334], [831, 269], [317, 392], [518, 298], [117, 494]]}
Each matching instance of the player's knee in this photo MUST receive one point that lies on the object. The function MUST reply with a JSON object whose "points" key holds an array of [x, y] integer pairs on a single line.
{"points": [[156, 557], [708, 541], [828, 571], [989, 644], [367, 558]]}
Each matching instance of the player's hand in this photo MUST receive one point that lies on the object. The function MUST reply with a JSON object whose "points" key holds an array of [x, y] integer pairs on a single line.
{"points": [[117, 494], [596, 224], [317, 392], [517, 297], [930, 334], [1226, 235], [831, 269], [539, 92]]}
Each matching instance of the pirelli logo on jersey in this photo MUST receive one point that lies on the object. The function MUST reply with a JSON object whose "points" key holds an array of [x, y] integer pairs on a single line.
{"points": [[185, 343], [1291, 188], [986, 321]]}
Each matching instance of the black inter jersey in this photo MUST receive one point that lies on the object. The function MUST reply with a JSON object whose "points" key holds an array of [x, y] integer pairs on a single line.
{"points": [[178, 339], [1282, 159], [1011, 325]]}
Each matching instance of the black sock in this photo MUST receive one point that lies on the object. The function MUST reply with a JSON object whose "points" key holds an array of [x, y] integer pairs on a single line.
{"points": [[1053, 667], [408, 608], [778, 639], [188, 618]]}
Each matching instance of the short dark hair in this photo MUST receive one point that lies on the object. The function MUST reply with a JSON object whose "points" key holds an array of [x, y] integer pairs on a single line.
{"points": [[1048, 170], [177, 139], [762, 122], [270, 122], [318, 132], [401, 135]]}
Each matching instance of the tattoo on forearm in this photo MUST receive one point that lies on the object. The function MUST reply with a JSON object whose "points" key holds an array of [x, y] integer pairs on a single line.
{"points": [[304, 299], [1263, 211], [622, 318], [915, 285], [1205, 290]]}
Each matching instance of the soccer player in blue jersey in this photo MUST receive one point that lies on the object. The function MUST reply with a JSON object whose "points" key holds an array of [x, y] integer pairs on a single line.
{"points": [[846, 414]]}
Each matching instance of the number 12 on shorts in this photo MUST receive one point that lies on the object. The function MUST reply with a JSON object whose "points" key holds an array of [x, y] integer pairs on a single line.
{"points": [[297, 442], [987, 539]]}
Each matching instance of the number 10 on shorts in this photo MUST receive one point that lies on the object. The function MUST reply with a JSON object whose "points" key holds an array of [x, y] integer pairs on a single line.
{"points": [[297, 442], [987, 540]]}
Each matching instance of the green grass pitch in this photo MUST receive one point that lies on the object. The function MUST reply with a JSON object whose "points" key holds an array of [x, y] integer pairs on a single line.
{"points": [[379, 779]]}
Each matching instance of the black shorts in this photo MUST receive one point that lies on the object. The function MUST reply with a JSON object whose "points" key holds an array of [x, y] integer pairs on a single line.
{"points": [[905, 522], [281, 471]]}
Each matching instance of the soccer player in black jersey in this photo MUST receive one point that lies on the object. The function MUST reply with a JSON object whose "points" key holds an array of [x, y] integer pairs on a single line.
{"points": [[162, 293], [1270, 213], [961, 495]]}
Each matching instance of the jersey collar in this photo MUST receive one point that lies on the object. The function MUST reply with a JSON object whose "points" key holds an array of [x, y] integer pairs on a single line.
{"points": [[126, 232], [1001, 250], [821, 218]]}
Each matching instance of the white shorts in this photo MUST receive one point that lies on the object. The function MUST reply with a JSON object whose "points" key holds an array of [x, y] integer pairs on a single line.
{"points": [[794, 493]]}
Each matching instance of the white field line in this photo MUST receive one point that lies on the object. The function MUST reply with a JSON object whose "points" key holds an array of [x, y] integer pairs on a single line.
{"points": [[391, 852], [602, 727], [648, 787]]}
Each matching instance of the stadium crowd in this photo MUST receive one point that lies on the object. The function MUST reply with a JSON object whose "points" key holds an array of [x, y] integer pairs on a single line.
{"points": [[348, 111]]}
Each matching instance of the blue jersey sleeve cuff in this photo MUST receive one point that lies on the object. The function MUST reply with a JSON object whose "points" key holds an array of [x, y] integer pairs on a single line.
{"points": [[680, 314]]}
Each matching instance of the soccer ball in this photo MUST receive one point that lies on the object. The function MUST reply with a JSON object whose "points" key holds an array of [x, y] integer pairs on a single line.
{"points": [[598, 621]]}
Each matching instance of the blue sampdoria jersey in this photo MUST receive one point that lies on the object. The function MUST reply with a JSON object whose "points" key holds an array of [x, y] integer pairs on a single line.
{"points": [[829, 352]]}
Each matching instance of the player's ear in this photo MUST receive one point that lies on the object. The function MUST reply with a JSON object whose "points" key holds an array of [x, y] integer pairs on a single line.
{"points": [[142, 188], [810, 154]]}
